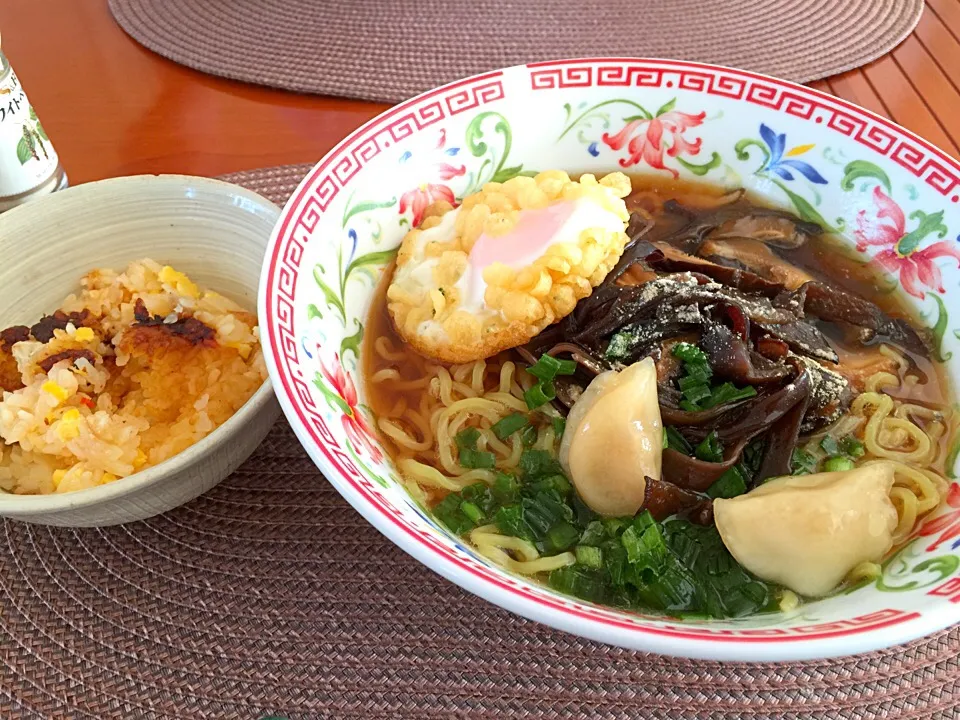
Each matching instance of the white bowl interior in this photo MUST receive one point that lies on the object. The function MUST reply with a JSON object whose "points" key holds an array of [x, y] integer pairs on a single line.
{"points": [[213, 231]]}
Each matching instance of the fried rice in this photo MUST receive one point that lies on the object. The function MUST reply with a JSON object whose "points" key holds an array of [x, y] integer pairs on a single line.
{"points": [[137, 367]]}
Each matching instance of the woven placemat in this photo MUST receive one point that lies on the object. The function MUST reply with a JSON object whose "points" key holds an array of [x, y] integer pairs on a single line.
{"points": [[388, 50], [269, 595]]}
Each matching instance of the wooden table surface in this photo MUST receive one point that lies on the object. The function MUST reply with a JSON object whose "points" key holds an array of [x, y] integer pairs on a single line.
{"points": [[112, 107]]}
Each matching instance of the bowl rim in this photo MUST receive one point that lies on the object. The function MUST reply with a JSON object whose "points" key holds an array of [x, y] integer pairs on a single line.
{"points": [[23, 506], [884, 633]]}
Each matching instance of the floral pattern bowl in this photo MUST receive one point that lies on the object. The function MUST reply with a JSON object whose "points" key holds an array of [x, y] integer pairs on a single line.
{"points": [[895, 197]]}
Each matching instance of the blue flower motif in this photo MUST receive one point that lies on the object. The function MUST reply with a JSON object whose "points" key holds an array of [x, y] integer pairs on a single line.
{"points": [[452, 151], [352, 234], [406, 156], [303, 344], [776, 164], [593, 149]]}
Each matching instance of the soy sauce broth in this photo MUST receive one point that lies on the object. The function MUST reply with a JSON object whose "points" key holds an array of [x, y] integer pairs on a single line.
{"points": [[827, 258]]}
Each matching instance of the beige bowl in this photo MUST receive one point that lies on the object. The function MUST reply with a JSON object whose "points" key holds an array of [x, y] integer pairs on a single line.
{"points": [[213, 231]]}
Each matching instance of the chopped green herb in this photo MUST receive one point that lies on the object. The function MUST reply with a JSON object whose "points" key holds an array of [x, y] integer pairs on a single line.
{"points": [[615, 526], [477, 459], [727, 393], [510, 521], [802, 462], [752, 457], [509, 425], [579, 581], [728, 485], [710, 449], [528, 435], [540, 394], [594, 534], [622, 344], [448, 512], [695, 383], [830, 445], [644, 543], [838, 463], [559, 425], [697, 394], [537, 463], [506, 489], [701, 372], [467, 438], [676, 441], [689, 353], [852, 447], [589, 556]]}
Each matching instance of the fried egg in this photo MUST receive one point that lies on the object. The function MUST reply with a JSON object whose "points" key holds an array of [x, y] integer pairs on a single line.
{"points": [[512, 259]]}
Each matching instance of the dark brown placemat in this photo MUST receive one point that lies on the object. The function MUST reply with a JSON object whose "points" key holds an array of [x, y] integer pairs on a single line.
{"points": [[388, 50], [269, 595]]}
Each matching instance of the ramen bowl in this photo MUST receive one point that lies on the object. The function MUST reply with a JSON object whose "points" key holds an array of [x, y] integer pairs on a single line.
{"points": [[813, 154]]}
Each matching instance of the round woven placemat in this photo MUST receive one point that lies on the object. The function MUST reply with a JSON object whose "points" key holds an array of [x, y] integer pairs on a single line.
{"points": [[388, 51], [269, 595]]}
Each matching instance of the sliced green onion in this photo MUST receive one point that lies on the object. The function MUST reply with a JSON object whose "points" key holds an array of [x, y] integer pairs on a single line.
{"points": [[688, 406], [838, 464], [539, 394], [548, 367], [474, 513], [643, 521], [528, 435], [478, 493], [589, 556], [559, 483], [475, 459], [505, 489], [467, 438], [710, 449], [509, 425], [562, 535], [559, 425], [728, 485], [852, 447]]}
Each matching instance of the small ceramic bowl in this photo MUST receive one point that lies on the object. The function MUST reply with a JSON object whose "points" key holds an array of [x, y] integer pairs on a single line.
{"points": [[214, 232], [830, 162]]}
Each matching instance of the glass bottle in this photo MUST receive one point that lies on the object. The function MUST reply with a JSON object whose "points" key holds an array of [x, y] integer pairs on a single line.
{"points": [[29, 166]]}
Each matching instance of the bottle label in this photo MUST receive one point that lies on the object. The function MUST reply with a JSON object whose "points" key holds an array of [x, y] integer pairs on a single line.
{"points": [[27, 157]]}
